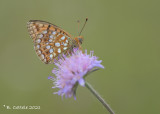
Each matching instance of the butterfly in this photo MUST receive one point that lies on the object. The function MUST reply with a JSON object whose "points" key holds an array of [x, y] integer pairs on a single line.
{"points": [[50, 41]]}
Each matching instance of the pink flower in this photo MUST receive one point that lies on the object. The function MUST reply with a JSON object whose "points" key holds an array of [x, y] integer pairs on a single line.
{"points": [[71, 71]]}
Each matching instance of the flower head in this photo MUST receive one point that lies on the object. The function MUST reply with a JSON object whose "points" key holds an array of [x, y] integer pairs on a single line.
{"points": [[72, 70]]}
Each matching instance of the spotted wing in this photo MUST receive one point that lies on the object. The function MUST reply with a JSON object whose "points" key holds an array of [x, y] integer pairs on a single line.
{"points": [[50, 41]]}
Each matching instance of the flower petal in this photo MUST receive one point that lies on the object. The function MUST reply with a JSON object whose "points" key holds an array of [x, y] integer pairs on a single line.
{"points": [[81, 82], [71, 71]]}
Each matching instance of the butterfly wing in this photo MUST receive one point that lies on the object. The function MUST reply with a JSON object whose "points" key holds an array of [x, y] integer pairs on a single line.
{"points": [[50, 41]]}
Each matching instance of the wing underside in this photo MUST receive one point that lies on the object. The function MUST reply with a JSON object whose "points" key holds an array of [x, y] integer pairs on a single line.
{"points": [[50, 41]]}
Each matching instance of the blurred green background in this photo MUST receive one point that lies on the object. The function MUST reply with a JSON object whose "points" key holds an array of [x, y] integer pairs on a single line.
{"points": [[124, 34]]}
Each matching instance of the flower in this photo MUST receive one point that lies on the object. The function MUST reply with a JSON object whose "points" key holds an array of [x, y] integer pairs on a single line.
{"points": [[72, 70]]}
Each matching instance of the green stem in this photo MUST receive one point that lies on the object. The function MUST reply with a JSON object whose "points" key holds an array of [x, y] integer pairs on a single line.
{"points": [[94, 92]]}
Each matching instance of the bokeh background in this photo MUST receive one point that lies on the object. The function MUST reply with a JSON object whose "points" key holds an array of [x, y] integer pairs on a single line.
{"points": [[124, 34]]}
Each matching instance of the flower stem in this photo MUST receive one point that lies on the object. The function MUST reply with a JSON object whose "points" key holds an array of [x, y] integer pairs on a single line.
{"points": [[95, 93]]}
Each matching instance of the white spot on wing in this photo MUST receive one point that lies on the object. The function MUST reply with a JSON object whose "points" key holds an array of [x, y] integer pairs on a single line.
{"points": [[37, 46], [50, 36], [50, 40], [59, 50], [51, 51], [39, 52], [38, 40], [54, 54], [54, 32], [42, 56], [65, 48], [63, 37], [44, 32], [57, 44], [51, 56], [40, 35], [48, 47], [65, 44]]}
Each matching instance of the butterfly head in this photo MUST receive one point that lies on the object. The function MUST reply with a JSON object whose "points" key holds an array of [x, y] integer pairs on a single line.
{"points": [[79, 40]]}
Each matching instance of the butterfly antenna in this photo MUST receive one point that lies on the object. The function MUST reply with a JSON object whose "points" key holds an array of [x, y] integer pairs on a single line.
{"points": [[78, 25], [83, 26]]}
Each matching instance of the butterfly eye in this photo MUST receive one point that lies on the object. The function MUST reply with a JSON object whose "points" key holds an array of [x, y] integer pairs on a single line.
{"points": [[80, 40]]}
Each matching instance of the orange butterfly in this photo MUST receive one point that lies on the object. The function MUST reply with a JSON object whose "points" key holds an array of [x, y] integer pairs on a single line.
{"points": [[50, 41]]}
